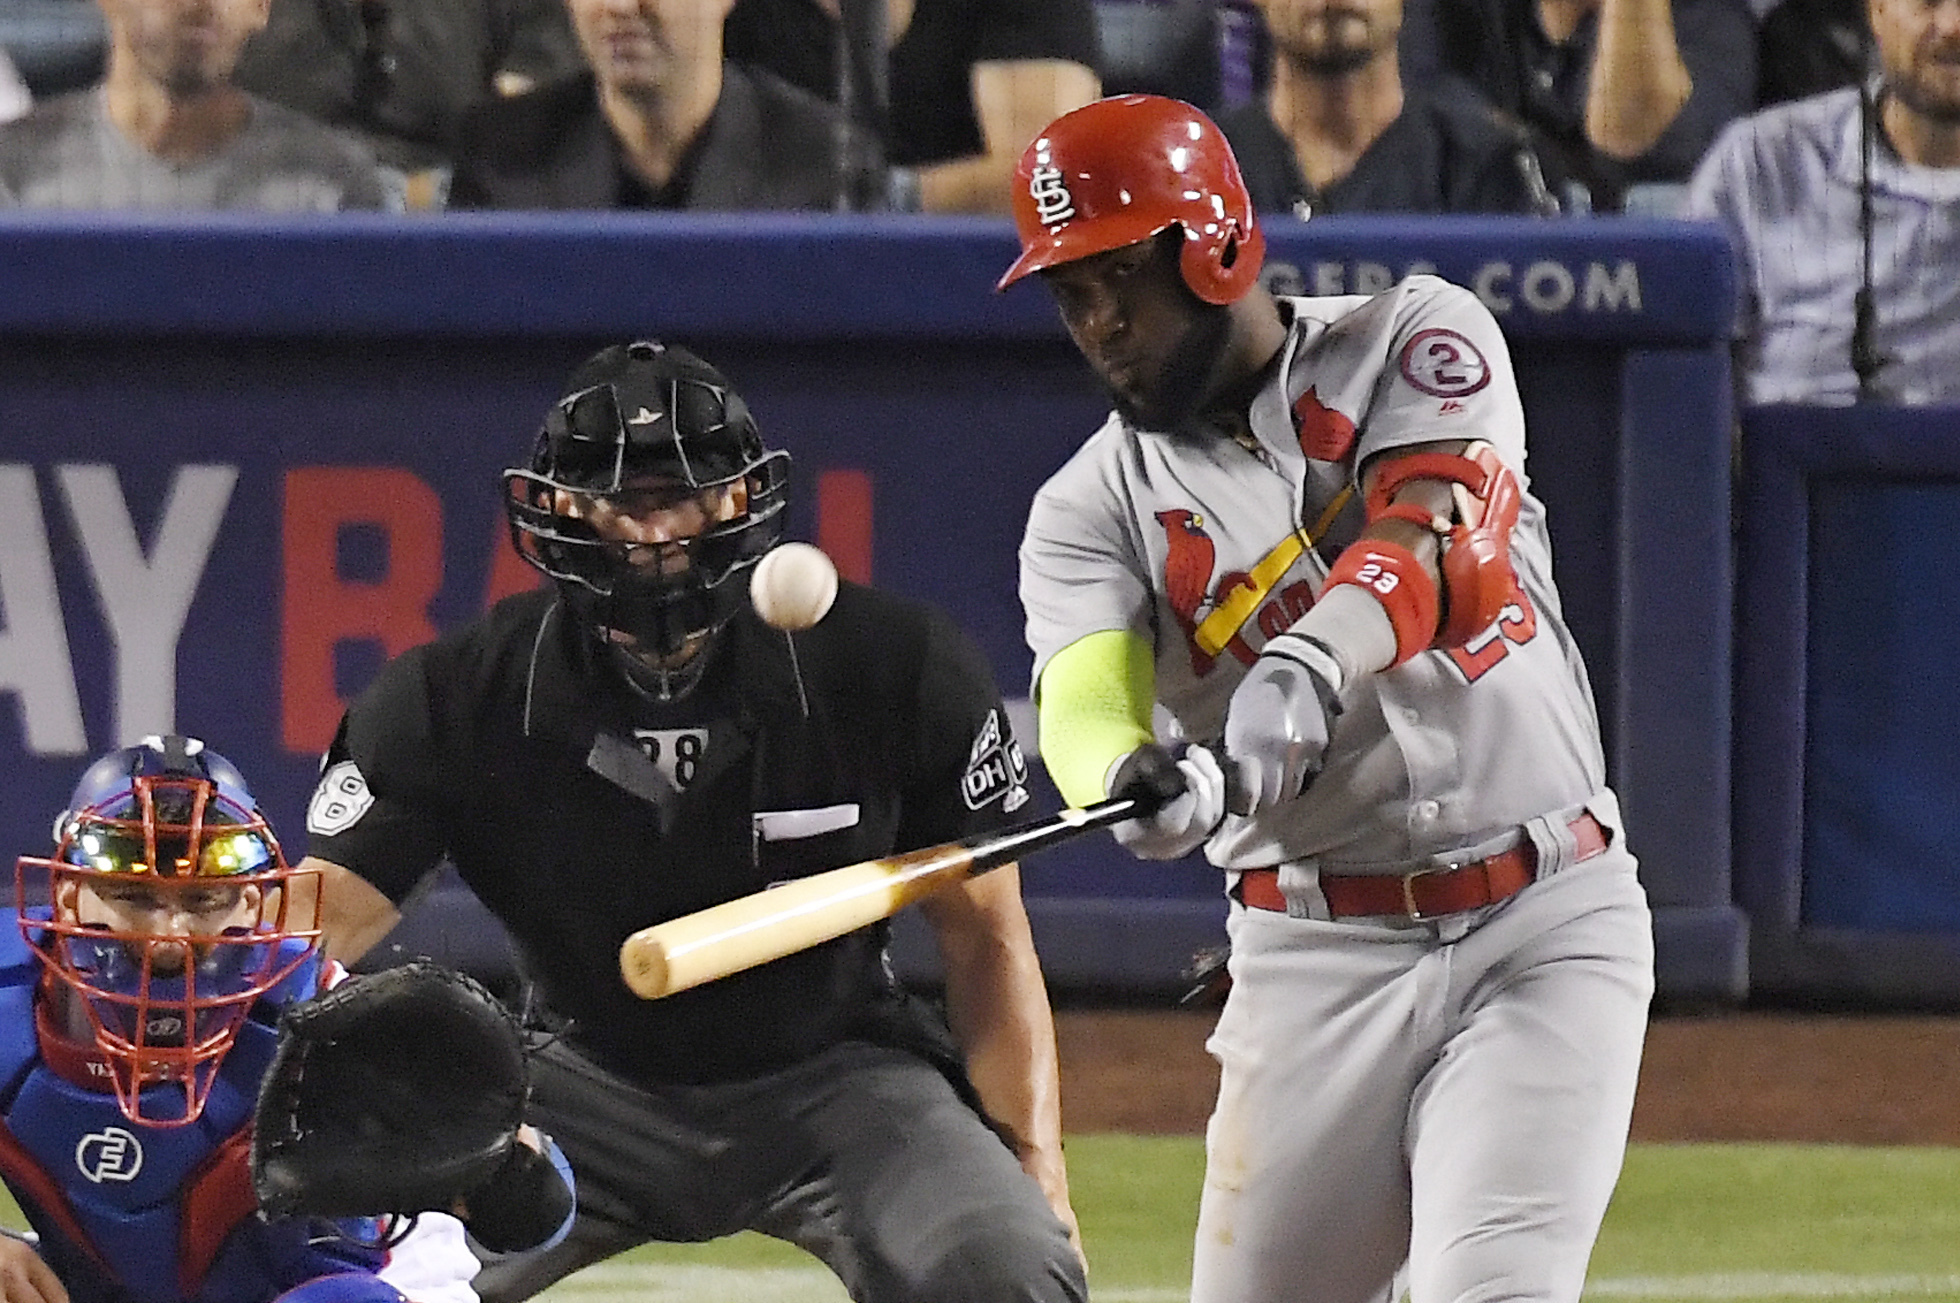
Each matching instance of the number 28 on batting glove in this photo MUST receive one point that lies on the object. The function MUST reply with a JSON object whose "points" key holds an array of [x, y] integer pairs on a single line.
{"points": [[1279, 720], [1190, 789]]}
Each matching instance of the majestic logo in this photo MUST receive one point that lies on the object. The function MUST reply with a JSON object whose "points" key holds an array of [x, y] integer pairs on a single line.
{"points": [[339, 801], [995, 769], [1444, 364], [111, 1154], [1052, 201]]}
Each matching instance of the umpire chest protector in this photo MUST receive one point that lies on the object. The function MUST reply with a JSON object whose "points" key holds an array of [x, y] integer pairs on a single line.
{"points": [[579, 812]]}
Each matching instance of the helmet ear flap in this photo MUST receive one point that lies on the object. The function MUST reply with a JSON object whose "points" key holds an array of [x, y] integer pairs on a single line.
{"points": [[1222, 267]]}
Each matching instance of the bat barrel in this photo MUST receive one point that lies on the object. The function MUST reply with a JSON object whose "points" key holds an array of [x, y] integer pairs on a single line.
{"points": [[738, 934]]}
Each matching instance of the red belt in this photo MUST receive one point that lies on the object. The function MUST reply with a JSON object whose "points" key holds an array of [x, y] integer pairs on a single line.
{"points": [[1426, 893]]}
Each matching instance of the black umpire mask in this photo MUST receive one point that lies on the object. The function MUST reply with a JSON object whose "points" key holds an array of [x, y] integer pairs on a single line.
{"points": [[647, 498]]}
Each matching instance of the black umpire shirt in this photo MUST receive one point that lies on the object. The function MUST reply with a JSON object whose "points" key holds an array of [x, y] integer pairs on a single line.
{"points": [[578, 812]]}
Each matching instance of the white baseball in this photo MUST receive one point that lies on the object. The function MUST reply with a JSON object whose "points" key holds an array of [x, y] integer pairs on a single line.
{"points": [[793, 587]]}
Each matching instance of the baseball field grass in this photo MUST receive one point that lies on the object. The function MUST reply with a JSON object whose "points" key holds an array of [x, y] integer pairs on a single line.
{"points": [[1756, 1223], [1753, 1223]]}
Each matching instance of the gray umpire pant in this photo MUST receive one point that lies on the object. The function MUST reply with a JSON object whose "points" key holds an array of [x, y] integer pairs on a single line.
{"points": [[864, 1156]]}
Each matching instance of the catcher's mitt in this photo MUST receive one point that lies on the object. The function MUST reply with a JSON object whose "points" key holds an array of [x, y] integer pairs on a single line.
{"points": [[397, 1092]]}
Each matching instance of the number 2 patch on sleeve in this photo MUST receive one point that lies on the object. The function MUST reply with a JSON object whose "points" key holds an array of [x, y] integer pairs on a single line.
{"points": [[1444, 364]]}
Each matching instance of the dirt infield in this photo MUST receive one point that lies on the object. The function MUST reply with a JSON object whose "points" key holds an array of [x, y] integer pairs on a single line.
{"points": [[1879, 1080]]}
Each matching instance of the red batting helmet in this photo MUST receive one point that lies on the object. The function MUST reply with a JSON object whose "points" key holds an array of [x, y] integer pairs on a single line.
{"points": [[1122, 169]]}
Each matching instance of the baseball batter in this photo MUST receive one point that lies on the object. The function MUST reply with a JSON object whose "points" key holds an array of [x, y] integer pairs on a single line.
{"points": [[1306, 538]]}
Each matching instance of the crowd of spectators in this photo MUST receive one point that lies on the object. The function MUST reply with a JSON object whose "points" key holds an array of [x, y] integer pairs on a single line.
{"points": [[965, 85], [1616, 92], [402, 74], [1824, 135]]}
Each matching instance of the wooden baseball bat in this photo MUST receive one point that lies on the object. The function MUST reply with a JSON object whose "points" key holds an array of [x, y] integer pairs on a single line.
{"points": [[738, 934]]}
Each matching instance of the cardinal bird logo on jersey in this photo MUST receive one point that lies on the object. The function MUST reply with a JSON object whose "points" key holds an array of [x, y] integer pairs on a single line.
{"points": [[1325, 433], [1190, 556]]}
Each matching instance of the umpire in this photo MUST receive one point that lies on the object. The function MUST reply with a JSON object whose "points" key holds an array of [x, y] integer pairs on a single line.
{"points": [[631, 744]]}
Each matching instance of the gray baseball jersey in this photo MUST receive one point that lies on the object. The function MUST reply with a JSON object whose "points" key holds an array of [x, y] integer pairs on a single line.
{"points": [[1443, 1099], [1153, 533]]}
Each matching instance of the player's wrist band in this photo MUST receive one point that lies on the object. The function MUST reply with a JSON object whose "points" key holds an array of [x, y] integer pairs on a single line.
{"points": [[1400, 586]]}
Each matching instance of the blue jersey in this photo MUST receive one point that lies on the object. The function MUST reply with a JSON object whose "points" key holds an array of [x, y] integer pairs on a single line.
{"points": [[128, 1213]]}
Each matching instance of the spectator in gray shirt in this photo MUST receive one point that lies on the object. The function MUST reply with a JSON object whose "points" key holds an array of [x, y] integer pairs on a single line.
{"points": [[1844, 211], [167, 128]]}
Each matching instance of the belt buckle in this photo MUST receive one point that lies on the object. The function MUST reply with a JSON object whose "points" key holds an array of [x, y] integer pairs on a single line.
{"points": [[1409, 888]]}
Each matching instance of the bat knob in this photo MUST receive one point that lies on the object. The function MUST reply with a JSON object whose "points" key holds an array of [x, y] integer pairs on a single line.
{"points": [[643, 964]]}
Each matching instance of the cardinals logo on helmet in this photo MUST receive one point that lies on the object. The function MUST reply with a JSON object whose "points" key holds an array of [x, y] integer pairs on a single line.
{"points": [[1052, 201]]}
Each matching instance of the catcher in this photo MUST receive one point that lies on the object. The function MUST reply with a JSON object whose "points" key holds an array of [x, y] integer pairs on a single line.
{"points": [[159, 992]]}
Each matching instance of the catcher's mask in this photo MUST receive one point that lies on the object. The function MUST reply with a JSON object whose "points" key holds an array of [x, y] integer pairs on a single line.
{"points": [[165, 911], [643, 431], [1122, 169]]}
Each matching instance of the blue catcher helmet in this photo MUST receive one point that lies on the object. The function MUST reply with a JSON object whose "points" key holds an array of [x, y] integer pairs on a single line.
{"points": [[165, 912]]}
